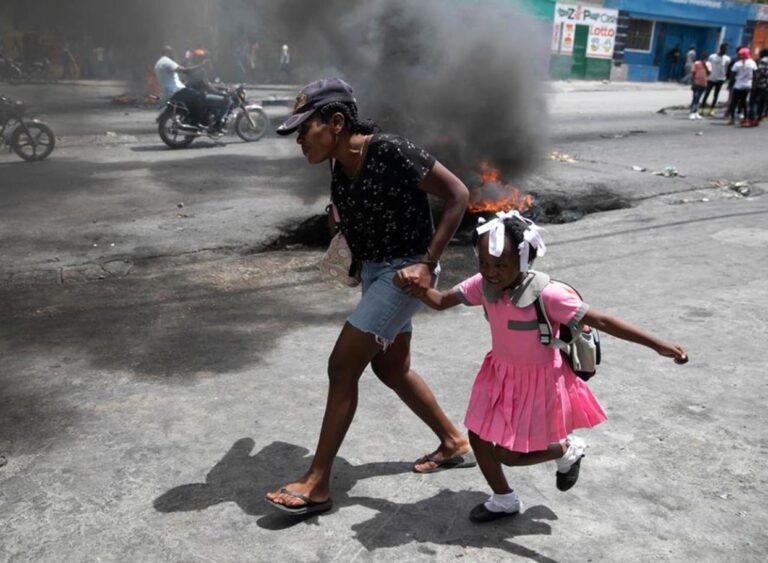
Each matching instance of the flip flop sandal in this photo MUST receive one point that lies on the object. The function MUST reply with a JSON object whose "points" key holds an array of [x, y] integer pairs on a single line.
{"points": [[309, 506], [455, 462]]}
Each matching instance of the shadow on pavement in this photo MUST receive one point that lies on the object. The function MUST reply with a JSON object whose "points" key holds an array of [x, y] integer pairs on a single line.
{"points": [[172, 329], [244, 479], [405, 523]]}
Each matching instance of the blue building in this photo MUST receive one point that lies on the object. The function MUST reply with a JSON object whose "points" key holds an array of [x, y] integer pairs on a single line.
{"points": [[650, 32]]}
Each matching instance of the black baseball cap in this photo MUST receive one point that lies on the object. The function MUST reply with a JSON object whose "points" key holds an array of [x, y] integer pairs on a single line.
{"points": [[314, 96]]}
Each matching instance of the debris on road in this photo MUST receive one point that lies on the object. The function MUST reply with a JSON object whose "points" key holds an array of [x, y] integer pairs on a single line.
{"points": [[118, 268], [639, 168], [669, 172], [556, 155], [622, 135], [738, 188]]}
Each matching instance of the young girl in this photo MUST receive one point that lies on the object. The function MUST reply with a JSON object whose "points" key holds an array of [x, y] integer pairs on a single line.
{"points": [[526, 400]]}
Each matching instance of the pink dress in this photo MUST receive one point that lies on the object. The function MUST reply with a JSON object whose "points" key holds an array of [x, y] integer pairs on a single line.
{"points": [[525, 396]]}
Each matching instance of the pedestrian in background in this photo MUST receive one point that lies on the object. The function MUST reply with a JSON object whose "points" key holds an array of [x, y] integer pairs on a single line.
{"points": [[673, 59], [699, 74], [730, 80], [718, 65], [758, 98], [743, 71], [690, 60], [285, 63]]}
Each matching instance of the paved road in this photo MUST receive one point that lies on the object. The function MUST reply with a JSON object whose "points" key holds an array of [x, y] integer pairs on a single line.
{"points": [[144, 412]]}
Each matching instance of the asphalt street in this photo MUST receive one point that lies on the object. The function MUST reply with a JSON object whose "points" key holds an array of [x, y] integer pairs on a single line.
{"points": [[160, 373]]}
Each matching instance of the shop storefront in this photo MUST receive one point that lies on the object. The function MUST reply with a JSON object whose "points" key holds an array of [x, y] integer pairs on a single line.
{"points": [[583, 40], [656, 34], [758, 28]]}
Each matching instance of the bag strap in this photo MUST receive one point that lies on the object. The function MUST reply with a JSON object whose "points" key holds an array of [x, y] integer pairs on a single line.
{"points": [[334, 209], [545, 327], [546, 336]]}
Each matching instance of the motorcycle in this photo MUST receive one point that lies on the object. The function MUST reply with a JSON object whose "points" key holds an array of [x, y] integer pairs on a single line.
{"points": [[178, 127], [10, 71], [31, 139]]}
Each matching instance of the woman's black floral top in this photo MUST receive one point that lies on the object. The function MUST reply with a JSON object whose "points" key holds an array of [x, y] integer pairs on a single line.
{"points": [[384, 214]]}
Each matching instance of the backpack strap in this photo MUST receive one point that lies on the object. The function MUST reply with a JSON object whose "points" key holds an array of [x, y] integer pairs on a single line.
{"points": [[546, 336], [545, 328]]}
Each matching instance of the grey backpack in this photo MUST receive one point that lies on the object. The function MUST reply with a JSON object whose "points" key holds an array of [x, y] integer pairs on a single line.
{"points": [[581, 351]]}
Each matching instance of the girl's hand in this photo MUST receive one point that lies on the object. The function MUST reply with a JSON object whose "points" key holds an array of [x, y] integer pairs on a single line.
{"points": [[674, 351]]}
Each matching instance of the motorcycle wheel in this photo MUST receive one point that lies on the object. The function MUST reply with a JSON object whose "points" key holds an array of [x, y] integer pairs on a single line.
{"points": [[250, 133], [36, 143], [170, 135]]}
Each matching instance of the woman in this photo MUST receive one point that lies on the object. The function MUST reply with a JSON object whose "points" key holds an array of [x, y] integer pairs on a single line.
{"points": [[379, 184]]}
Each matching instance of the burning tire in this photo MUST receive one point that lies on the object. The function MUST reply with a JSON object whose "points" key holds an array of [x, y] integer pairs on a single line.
{"points": [[253, 129], [168, 129], [34, 143]]}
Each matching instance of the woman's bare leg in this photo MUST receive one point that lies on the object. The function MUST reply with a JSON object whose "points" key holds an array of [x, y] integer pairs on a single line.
{"points": [[393, 367], [353, 351]]}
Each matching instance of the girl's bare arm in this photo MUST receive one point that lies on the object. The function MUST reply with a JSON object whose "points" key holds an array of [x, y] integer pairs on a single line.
{"points": [[622, 329], [440, 300]]}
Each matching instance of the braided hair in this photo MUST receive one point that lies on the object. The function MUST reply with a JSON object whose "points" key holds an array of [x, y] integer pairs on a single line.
{"points": [[514, 232], [351, 120]]}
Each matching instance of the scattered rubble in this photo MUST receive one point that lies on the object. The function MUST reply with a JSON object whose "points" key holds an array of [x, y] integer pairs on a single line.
{"points": [[556, 155], [669, 172]]}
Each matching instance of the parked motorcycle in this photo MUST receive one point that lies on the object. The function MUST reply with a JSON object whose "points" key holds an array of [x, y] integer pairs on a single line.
{"points": [[178, 127], [31, 139], [10, 71]]}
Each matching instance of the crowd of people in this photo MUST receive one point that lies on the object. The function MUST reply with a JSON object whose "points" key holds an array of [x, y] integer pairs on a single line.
{"points": [[746, 81]]}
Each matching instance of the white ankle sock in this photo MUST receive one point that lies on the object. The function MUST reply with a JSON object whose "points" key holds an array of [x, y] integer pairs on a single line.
{"points": [[509, 502]]}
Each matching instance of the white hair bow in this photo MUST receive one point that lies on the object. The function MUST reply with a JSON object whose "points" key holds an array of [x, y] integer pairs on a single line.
{"points": [[495, 228]]}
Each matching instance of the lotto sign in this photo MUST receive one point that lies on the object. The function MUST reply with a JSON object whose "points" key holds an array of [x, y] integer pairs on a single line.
{"points": [[601, 41]]}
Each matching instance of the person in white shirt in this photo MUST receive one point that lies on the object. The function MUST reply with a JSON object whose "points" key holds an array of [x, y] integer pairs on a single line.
{"points": [[167, 73], [742, 70], [718, 66]]}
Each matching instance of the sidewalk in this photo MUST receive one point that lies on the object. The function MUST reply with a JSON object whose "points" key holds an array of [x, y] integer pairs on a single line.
{"points": [[144, 417]]}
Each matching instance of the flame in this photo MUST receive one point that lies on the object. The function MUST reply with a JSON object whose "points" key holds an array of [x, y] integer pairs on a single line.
{"points": [[488, 173], [510, 198]]}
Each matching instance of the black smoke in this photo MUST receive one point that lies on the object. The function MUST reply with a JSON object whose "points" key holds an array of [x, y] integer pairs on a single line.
{"points": [[464, 78]]}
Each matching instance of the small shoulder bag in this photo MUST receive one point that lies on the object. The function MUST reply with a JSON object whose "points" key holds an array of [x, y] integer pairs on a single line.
{"points": [[337, 262]]}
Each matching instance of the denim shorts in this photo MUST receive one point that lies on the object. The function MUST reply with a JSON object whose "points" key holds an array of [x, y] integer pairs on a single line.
{"points": [[385, 310]]}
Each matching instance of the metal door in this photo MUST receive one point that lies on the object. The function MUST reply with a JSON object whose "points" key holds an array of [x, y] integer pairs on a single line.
{"points": [[579, 66]]}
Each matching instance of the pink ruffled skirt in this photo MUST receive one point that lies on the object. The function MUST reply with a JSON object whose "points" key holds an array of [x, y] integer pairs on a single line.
{"points": [[524, 408]]}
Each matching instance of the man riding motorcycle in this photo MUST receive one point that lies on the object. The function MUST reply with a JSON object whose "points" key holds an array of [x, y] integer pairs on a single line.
{"points": [[200, 96]]}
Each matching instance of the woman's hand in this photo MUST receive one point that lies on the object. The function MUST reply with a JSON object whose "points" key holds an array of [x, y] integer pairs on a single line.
{"points": [[414, 280], [674, 351]]}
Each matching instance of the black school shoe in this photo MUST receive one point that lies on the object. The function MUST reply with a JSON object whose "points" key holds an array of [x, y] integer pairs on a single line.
{"points": [[480, 514], [565, 481]]}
